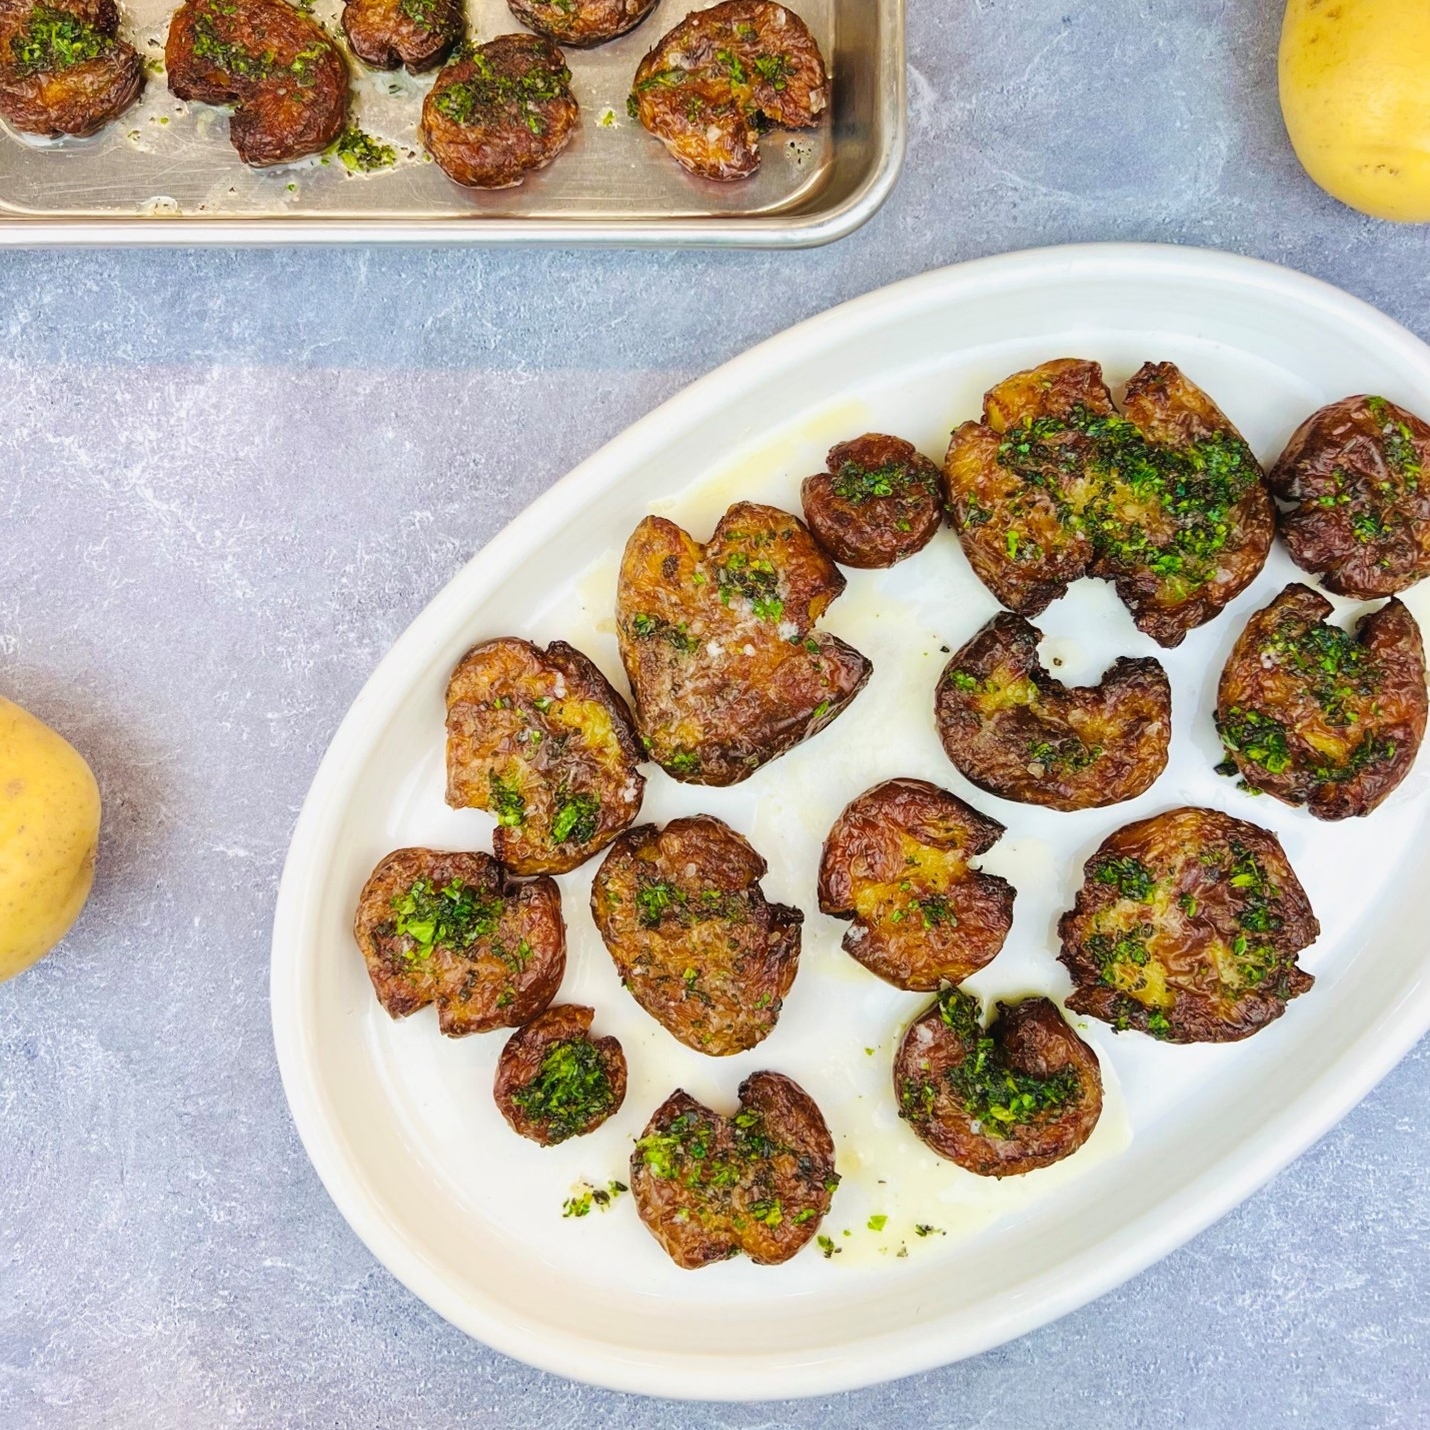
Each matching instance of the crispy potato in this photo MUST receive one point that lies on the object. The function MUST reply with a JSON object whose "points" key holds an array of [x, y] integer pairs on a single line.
{"points": [[554, 1081], [709, 1187], [63, 68], [581, 23], [688, 927], [1166, 501], [719, 643], [1355, 472], [1023, 1093], [896, 863], [1187, 926], [722, 75], [453, 930], [286, 77], [500, 111], [417, 33], [1317, 716], [1016, 731], [879, 502], [541, 740]]}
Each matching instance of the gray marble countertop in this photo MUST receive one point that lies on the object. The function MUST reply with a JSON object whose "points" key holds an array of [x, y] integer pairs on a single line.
{"points": [[231, 479]]}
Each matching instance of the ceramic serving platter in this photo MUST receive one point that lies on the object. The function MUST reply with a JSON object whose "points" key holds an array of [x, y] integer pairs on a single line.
{"points": [[400, 1121]]}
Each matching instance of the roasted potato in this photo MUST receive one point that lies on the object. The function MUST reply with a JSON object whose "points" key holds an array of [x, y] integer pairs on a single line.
{"points": [[687, 924], [454, 930], [1016, 731], [896, 863], [879, 502], [500, 111], [1317, 716], [541, 740], [719, 643], [709, 1187], [1166, 501], [63, 68], [554, 1081], [581, 23], [1023, 1093], [721, 77], [1355, 472], [389, 33], [1187, 926]]}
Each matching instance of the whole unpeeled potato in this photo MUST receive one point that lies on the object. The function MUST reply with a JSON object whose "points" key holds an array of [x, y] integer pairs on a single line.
{"points": [[1355, 93], [49, 833]]}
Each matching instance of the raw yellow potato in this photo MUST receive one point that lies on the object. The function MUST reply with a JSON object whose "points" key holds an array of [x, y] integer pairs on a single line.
{"points": [[49, 833], [1355, 93]]}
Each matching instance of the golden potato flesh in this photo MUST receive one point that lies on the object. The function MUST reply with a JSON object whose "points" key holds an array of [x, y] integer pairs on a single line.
{"points": [[719, 642], [1023, 1093], [1016, 731], [542, 741], [1165, 500], [1187, 927], [896, 863], [1317, 716]]}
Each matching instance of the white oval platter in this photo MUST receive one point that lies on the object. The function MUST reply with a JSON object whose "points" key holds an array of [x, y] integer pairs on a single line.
{"points": [[400, 1123]]}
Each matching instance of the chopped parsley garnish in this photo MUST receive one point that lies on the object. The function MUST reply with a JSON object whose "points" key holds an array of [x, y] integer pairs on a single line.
{"points": [[1068, 754], [507, 801], [361, 153], [487, 96], [581, 1203], [577, 816], [55, 40], [569, 1092], [878, 1221], [1131, 877], [1256, 737], [964, 681], [645, 628], [857, 484], [454, 917]]}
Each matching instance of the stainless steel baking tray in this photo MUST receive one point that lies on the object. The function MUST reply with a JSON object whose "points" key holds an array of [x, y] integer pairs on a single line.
{"points": [[164, 172]]}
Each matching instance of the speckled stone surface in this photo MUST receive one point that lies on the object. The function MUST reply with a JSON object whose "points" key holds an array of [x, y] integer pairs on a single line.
{"points": [[229, 481]]}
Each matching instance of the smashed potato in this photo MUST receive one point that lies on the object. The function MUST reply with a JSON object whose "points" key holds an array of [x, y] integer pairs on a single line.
{"points": [[719, 643], [453, 930], [1016, 731], [581, 23], [879, 502], [709, 1187], [389, 33], [1317, 716], [1187, 926], [541, 740], [500, 111], [63, 68], [692, 935], [1023, 1093], [896, 863], [1166, 500], [555, 1081], [721, 76], [278, 67], [1356, 472]]}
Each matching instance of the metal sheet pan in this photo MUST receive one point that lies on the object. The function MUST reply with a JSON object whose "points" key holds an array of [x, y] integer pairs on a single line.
{"points": [[165, 172]]}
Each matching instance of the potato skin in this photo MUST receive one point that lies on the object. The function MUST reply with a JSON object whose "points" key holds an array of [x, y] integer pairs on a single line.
{"points": [[54, 98], [521, 1062], [949, 1073], [1315, 717], [386, 34], [709, 1187], [1358, 472], [581, 23], [879, 502], [895, 863], [1187, 926], [476, 988], [719, 643], [1039, 493], [689, 929], [279, 68], [548, 726], [500, 111], [709, 86], [1016, 731]]}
